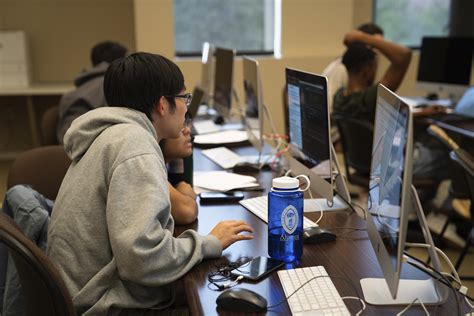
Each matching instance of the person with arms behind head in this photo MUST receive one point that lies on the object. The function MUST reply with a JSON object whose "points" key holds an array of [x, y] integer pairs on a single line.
{"points": [[111, 232], [358, 98], [336, 72], [89, 93]]}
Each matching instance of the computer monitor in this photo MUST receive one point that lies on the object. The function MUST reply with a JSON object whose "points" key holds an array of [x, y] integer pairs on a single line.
{"points": [[310, 136], [391, 197], [253, 102], [198, 98], [207, 71], [445, 65], [223, 79]]}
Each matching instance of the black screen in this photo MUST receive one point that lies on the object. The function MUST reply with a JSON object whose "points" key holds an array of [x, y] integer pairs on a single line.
{"points": [[446, 60], [223, 78], [308, 116]]}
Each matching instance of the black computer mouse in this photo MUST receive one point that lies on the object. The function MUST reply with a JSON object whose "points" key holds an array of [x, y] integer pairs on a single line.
{"points": [[241, 300], [432, 96], [246, 167], [317, 235], [219, 120]]}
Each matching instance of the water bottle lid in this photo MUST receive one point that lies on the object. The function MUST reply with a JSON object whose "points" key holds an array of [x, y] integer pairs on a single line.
{"points": [[285, 183]]}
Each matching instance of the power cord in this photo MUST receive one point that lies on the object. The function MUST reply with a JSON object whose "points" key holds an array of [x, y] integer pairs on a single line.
{"points": [[462, 289], [359, 299], [411, 304], [221, 273], [351, 206], [441, 277]]}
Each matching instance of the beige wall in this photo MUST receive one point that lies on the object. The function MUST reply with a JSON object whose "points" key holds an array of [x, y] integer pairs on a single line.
{"points": [[310, 39], [62, 32]]}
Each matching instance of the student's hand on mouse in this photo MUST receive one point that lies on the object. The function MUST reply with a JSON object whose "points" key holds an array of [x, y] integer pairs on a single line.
{"points": [[228, 232]]}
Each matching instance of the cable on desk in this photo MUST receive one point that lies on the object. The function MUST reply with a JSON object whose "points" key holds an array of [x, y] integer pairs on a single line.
{"points": [[462, 289], [441, 278], [356, 298], [221, 273], [411, 304], [350, 204]]}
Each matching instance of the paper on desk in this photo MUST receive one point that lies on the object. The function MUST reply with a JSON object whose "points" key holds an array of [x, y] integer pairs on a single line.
{"points": [[223, 181], [225, 137], [205, 127]]}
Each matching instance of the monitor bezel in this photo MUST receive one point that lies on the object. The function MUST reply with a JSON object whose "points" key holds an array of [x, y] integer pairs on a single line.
{"points": [[320, 187], [207, 71], [391, 275], [221, 109], [251, 68]]}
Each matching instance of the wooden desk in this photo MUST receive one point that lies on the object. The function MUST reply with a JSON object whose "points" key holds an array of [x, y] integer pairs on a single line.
{"points": [[31, 94], [463, 128], [348, 258]]}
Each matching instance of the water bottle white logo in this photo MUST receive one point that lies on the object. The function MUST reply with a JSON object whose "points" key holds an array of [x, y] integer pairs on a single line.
{"points": [[289, 219]]}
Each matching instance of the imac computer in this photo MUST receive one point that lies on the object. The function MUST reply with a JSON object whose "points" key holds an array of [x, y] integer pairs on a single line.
{"points": [[445, 65], [223, 80], [391, 197], [311, 150], [207, 71], [253, 102]]}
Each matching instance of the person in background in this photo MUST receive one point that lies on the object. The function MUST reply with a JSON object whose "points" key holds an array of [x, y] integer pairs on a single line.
{"points": [[336, 72], [89, 93], [111, 229], [358, 98], [182, 196]]}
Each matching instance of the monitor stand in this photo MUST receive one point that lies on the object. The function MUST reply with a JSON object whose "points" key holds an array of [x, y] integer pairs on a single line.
{"points": [[342, 196], [428, 291]]}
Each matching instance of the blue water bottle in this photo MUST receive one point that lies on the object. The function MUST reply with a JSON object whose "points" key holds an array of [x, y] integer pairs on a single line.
{"points": [[285, 219]]}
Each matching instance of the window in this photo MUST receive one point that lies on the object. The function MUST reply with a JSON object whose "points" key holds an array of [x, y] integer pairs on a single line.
{"points": [[245, 25], [407, 21]]}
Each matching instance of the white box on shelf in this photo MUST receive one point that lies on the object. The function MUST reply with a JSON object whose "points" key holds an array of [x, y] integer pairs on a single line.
{"points": [[14, 59]]}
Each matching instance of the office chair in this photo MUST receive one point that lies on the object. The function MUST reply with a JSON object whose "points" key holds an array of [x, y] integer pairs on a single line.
{"points": [[43, 168], [356, 140], [49, 122], [464, 208], [43, 288]]}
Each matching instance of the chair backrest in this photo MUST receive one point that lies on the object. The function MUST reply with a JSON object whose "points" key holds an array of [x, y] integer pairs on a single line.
{"points": [[44, 290], [356, 139], [49, 123], [43, 168], [466, 162]]}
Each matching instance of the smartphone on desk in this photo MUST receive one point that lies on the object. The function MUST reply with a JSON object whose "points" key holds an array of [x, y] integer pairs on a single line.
{"points": [[257, 268], [220, 197]]}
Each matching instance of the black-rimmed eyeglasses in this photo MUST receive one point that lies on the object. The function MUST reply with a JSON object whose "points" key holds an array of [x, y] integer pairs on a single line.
{"points": [[187, 97]]}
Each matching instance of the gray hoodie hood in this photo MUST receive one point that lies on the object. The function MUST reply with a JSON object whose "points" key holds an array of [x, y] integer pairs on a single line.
{"points": [[91, 73], [85, 129]]}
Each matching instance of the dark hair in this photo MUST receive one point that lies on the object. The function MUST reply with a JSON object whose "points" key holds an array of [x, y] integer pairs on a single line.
{"points": [[139, 80], [107, 51], [370, 28], [357, 56]]}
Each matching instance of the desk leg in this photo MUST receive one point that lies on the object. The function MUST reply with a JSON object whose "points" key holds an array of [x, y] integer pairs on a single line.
{"points": [[32, 118]]}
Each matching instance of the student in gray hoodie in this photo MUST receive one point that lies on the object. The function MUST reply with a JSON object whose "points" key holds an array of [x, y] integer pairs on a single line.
{"points": [[89, 92], [111, 232]]}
